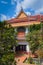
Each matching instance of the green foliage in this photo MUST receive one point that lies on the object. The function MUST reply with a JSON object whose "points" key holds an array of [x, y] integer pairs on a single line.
{"points": [[34, 37], [35, 27], [40, 53], [14, 62], [7, 41], [29, 60]]}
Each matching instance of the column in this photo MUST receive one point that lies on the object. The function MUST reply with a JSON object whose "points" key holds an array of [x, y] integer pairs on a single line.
{"points": [[26, 30], [27, 48], [15, 29], [14, 49]]}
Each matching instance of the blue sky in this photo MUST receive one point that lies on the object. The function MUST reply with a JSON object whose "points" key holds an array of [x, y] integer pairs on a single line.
{"points": [[11, 8]]}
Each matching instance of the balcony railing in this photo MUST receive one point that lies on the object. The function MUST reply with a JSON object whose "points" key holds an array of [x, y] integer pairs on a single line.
{"points": [[20, 37]]}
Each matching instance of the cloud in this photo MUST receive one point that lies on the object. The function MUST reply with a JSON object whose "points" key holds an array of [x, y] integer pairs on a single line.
{"points": [[39, 11], [31, 7], [17, 10], [18, 7], [36, 5], [14, 16], [28, 3], [28, 13], [4, 2], [4, 17], [13, 1], [23, 4]]}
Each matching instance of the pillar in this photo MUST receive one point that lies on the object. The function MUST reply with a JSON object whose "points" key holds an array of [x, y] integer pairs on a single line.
{"points": [[14, 49], [27, 48], [26, 30], [15, 29]]}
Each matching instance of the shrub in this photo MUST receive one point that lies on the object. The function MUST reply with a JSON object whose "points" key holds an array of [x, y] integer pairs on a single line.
{"points": [[30, 60], [40, 53]]}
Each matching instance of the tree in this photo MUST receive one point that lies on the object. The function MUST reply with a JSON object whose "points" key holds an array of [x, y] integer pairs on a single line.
{"points": [[40, 49], [7, 41], [34, 37]]}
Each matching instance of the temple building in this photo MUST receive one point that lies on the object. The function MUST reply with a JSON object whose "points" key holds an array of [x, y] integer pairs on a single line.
{"points": [[21, 24]]}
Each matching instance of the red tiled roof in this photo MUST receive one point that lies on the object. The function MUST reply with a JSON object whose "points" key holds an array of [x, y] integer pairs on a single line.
{"points": [[42, 18], [26, 19]]}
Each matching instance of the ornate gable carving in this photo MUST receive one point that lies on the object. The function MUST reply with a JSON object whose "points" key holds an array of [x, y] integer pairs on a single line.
{"points": [[22, 14]]}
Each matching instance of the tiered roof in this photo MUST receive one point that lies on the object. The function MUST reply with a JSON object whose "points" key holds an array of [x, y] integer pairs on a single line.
{"points": [[24, 19]]}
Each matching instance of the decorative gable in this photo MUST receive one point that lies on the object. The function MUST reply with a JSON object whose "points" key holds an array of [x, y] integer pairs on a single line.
{"points": [[22, 15]]}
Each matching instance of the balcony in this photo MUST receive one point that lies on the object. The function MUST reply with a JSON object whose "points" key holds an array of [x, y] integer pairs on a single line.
{"points": [[21, 36], [22, 31]]}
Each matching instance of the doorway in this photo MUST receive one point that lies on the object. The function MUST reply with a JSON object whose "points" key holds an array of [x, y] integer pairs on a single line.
{"points": [[21, 48]]}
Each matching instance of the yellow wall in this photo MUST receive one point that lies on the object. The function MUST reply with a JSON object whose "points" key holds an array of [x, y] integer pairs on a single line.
{"points": [[24, 23]]}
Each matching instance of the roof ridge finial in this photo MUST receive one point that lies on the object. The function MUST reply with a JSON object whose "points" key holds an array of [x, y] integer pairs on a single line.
{"points": [[21, 8]]}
